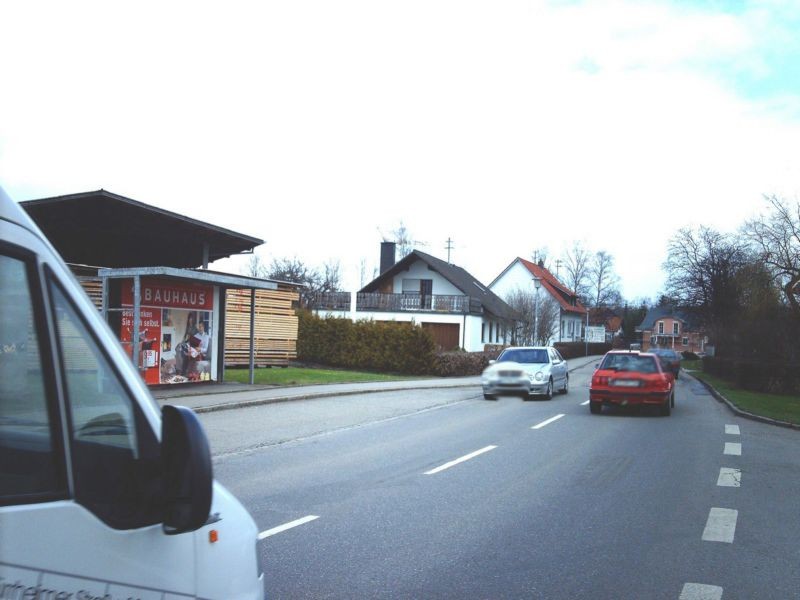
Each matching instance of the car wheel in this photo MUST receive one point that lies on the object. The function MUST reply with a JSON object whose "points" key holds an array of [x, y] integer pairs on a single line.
{"points": [[565, 389], [595, 407], [548, 395], [666, 408], [672, 399], [489, 397]]}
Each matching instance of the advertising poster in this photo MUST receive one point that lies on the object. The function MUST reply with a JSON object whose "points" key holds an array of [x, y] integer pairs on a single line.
{"points": [[175, 331]]}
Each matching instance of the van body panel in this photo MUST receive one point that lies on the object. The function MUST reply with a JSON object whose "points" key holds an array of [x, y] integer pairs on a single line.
{"points": [[60, 548]]}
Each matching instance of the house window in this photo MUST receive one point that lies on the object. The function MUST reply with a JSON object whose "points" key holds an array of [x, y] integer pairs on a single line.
{"points": [[491, 331], [483, 333], [675, 328], [661, 327], [497, 333], [685, 341]]}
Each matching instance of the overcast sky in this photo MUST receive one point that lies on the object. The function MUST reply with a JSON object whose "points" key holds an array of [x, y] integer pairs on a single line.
{"points": [[319, 125]]}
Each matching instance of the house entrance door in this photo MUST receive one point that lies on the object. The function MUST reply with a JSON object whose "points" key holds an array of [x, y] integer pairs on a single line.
{"points": [[425, 293]]}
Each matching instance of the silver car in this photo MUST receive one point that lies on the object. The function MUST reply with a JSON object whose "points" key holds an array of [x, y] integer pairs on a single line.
{"points": [[535, 370]]}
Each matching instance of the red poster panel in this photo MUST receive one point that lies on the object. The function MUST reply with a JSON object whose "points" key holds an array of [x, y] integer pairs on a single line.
{"points": [[170, 294], [149, 336]]}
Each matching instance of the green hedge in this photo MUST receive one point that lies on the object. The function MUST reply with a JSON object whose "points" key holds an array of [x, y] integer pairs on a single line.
{"points": [[462, 364], [761, 376], [372, 345], [577, 349]]}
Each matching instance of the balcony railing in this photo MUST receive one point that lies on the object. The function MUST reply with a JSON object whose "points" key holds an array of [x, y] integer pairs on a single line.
{"points": [[398, 302]]}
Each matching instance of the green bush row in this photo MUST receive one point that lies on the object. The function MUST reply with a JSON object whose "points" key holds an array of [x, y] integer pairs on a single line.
{"points": [[759, 376], [372, 345], [462, 364], [577, 349]]}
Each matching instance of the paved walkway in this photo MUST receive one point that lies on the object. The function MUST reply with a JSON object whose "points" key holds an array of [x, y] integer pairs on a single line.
{"points": [[223, 396]]}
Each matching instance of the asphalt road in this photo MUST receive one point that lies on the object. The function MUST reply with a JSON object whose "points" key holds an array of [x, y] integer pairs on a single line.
{"points": [[363, 497]]}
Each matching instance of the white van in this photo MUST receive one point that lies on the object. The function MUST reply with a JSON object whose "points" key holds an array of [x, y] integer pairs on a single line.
{"points": [[102, 495]]}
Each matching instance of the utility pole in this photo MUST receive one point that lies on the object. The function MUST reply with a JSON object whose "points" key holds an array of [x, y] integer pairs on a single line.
{"points": [[449, 247], [558, 268]]}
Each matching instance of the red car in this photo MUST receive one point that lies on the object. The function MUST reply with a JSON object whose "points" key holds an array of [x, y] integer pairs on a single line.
{"points": [[632, 379]]}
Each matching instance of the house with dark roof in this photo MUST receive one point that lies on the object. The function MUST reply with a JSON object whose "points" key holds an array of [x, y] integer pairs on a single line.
{"points": [[524, 275], [456, 308], [671, 327]]}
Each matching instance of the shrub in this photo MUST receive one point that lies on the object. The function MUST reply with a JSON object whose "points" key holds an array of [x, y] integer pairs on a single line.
{"points": [[577, 349], [461, 364], [686, 355], [761, 376], [371, 345]]}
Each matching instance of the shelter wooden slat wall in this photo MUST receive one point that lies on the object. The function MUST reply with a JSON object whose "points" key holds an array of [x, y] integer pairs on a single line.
{"points": [[275, 327]]}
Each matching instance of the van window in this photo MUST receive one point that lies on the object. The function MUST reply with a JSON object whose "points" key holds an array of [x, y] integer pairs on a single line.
{"points": [[114, 453], [31, 460]]}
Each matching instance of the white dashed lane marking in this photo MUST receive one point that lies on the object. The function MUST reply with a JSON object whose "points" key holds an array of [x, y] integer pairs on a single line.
{"points": [[732, 429], [584, 403], [700, 591], [453, 463], [733, 449], [729, 477], [721, 525], [545, 423], [286, 526]]}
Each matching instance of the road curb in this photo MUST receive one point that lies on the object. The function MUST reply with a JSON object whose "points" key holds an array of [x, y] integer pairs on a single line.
{"points": [[743, 413]]}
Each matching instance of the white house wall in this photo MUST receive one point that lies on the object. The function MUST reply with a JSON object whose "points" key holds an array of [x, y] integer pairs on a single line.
{"points": [[517, 277], [420, 270]]}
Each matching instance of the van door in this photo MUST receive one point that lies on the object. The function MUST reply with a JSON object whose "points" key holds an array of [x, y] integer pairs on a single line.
{"points": [[79, 463]]}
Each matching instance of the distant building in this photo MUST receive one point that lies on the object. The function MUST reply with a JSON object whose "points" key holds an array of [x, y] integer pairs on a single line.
{"points": [[670, 327]]}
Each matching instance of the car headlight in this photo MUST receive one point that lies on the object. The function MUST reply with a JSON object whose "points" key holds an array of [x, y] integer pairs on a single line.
{"points": [[539, 376]]}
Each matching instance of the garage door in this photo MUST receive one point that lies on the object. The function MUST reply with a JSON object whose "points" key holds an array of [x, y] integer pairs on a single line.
{"points": [[446, 336]]}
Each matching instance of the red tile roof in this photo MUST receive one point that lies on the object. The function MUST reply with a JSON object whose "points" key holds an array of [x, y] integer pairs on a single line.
{"points": [[558, 290]]}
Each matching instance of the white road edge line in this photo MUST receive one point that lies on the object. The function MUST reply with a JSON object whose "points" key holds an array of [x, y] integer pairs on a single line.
{"points": [[453, 463], [584, 403], [732, 430], [729, 477], [545, 423], [733, 449], [721, 525], [286, 526], [699, 591]]}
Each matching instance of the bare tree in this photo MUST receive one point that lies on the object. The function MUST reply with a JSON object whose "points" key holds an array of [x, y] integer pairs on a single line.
{"points": [[703, 269], [603, 281], [776, 238], [330, 277], [255, 267], [577, 261], [403, 239], [524, 303]]}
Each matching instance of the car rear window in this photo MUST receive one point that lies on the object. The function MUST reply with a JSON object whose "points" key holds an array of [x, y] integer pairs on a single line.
{"points": [[630, 362]]}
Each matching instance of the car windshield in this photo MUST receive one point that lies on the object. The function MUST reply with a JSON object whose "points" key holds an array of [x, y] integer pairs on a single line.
{"points": [[524, 356], [630, 362]]}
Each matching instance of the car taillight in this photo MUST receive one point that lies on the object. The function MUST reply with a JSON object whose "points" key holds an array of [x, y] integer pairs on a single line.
{"points": [[599, 380]]}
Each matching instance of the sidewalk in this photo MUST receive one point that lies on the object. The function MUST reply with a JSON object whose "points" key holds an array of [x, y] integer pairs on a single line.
{"points": [[223, 396]]}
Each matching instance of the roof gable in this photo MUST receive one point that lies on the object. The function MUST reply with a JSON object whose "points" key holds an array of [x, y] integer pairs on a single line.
{"points": [[562, 294], [458, 277]]}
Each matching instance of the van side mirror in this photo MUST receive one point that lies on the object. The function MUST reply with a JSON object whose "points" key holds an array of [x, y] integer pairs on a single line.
{"points": [[187, 473]]}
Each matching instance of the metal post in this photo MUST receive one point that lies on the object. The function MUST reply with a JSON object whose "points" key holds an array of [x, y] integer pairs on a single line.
{"points": [[536, 318], [104, 309], [252, 336], [137, 292], [206, 252], [586, 335]]}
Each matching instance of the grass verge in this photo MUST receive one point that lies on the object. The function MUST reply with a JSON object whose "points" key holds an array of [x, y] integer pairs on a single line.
{"points": [[774, 406], [307, 376]]}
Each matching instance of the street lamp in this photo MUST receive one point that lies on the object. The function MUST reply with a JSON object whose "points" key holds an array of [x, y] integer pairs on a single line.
{"points": [[537, 283]]}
